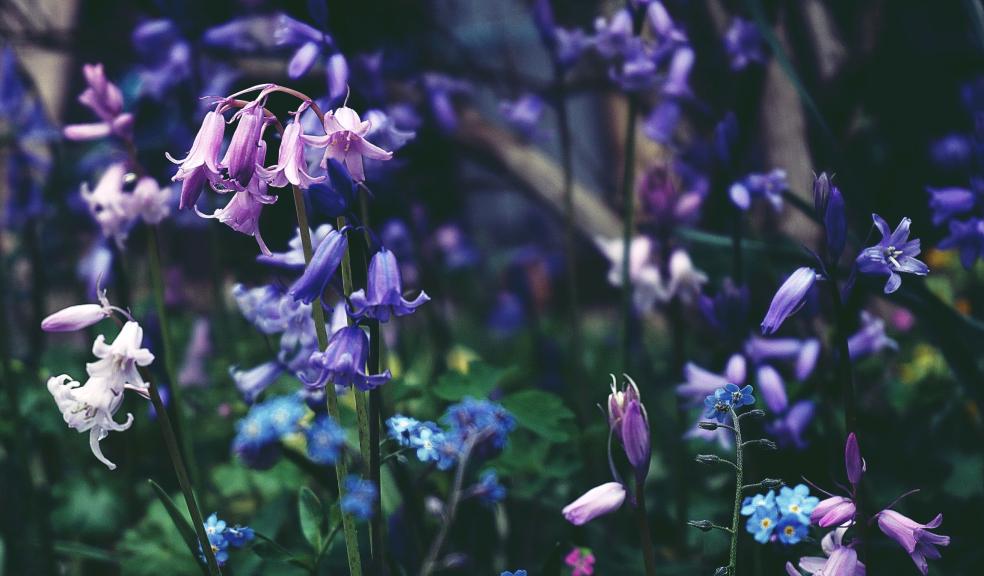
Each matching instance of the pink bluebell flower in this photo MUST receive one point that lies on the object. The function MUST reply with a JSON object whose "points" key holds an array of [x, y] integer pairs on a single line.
{"points": [[833, 511], [245, 147], [870, 338], [105, 100], [770, 186], [598, 501], [893, 254], [839, 560], [201, 165], [345, 141], [291, 166], [915, 538], [242, 213]]}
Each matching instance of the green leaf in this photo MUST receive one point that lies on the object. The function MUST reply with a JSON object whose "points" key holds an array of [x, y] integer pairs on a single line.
{"points": [[312, 515], [540, 412], [180, 522], [267, 549], [80, 550], [477, 383]]}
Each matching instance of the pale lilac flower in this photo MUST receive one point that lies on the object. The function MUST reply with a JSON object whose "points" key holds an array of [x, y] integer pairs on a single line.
{"points": [[252, 382], [686, 281], [91, 407], [394, 128], [840, 561], [523, 114], [788, 428], [81, 316], [345, 141], [915, 538], [647, 285], [701, 383], [242, 213], [291, 166], [802, 353], [895, 253], [833, 511], [769, 185], [293, 258], [192, 372], [106, 101], [772, 388], [598, 501], [337, 73], [116, 208], [789, 298], [870, 338], [201, 165]]}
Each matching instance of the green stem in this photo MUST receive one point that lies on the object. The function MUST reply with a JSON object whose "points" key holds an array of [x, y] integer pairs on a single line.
{"points": [[739, 483], [645, 536], [171, 442], [628, 211], [182, 429], [450, 509], [341, 467]]}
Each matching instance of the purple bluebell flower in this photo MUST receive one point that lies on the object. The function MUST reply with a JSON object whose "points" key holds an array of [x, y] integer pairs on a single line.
{"points": [[337, 74], [870, 338], [802, 353], [662, 121], [165, 57], [833, 511], [324, 262], [488, 489], [788, 429], [105, 100], [952, 152], [635, 437], [669, 200], [441, 91], [393, 128], [744, 44], [384, 293], [307, 40], [120, 199], [949, 202], [345, 141], [291, 166], [840, 560], [772, 388], [343, 363], [968, 237], [770, 186], [293, 257], [245, 149], [701, 382], [80, 316], [251, 383], [677, 83], [242, 213], [835, 222], [895, 253], [359, 497], [325, 440], [598, 501], [917, 539], [523, 114], [789, 298], [201, 165], [853, 462]]}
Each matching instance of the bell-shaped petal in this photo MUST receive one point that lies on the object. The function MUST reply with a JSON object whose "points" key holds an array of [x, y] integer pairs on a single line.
{"points": [[772, 388], [75, 318], [383, 295], [324, 263], [833, 511], [598, 501], [343, 363], [788, 299]]}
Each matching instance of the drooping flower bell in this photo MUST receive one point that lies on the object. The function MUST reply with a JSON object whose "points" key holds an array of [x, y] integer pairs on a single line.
{"points": [[90, 407], [915, 538], [598, 501], [343, 363], [895, 253], [81, 316], [319, 272], [789, 298], [291, 166], [242, 213], [246, 146], [384, 293], [345, 141], [201, 165], [840, 560]]}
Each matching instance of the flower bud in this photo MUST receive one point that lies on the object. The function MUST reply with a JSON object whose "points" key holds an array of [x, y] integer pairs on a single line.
{"points": [[833, 511], [618, 402], [711, 426], [722, 571], [853, 462], [771, 483], [789, 298], [702, 525], [707, 458], [598, 501], [635, 437], [835, 224], [821, 193], [75, 318], [757, 413]]}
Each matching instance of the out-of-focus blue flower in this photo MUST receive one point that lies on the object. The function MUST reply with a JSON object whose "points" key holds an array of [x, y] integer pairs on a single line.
{"points": [[523, 114], [744, 44], [895, 253], [252, 382], [952, 152], [441, 92], [770, 186], [791, 531], [488, 490], [401, 428], [239, 536], [482, 422], [516, 573], [393, 128], [788, 428], [949, 202], [259, 432], [284, 413], [221, 537], [797, 502], [325, 439], [359, 497], [870, 337], [968, 238], [165, 57], [384, 293], [427, 439], [772, 388], [789, 298], [802, 353]]}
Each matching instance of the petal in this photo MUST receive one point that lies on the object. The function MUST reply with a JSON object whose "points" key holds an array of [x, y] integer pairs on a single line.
{"points": [[882, 226], [901, 233], [893, 284]]}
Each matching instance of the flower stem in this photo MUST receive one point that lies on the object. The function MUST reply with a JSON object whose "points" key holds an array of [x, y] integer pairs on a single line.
{"points": [[628, 216], [171, 442], [645, 536], [181, 427], [739, 484], [450, 509], [341, 467]]}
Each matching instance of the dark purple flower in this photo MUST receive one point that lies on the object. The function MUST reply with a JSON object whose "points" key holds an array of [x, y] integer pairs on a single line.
{"points": [[635, 437], [662, 121], [727, 311], [384, 294], [968, 237], [915, 538], [893, 254], [835, 223], [788, 299], [343, 363], [948, 202], [324, 263], [744, 44], [853, 462]]}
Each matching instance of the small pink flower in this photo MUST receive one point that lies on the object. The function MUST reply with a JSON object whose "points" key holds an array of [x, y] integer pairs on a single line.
{"points": [[581, 561], [106, 102], [345, 141]]}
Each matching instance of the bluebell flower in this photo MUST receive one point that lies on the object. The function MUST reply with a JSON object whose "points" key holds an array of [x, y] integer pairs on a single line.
{"points": [[343, 363], [753, 505], [488, 489], [401, 428], [790, 530], [895, 253], [789, 428], [359, 497], [968, 238], [320, 271], [384, 293], [325, 440], [797, 502], [762, 525], [949, 202], [870, 337], [523, 114], [744, 44], [426, 439], [251, 383], [770, 186], [789, 298]]}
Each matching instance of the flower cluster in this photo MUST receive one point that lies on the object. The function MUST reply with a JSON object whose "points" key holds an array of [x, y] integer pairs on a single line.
{"points": [[259, 433], [783, 518], [719, 405], [222, 537], [581, 562]]}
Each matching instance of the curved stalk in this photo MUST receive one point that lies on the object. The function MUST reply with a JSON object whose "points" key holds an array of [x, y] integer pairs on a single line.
{"points": [[450, 509], [645, 536], [341, 467]]}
